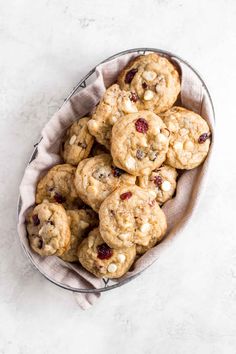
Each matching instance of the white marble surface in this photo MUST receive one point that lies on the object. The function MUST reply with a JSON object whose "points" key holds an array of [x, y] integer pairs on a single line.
{"points": [[186, 303]]}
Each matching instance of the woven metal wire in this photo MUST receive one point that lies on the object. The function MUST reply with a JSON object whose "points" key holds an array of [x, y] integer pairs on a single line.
{"points": [[108, 283]]}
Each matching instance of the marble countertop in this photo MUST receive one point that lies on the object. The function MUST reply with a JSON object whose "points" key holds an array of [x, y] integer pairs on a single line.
{"points": [[186, 302]]}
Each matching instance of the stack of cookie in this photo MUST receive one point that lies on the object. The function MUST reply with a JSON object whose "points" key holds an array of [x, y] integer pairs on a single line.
{"points": [[103, 206]]}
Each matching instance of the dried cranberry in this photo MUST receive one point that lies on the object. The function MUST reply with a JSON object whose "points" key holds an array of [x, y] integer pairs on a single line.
{"points": [[130, 75], [141, 125], [134, 97], [144, 85], [117, 172], [140, 154], [36, 220], [125, 195], [158, 181], [202, 138], [59, 198], [104, 251]]}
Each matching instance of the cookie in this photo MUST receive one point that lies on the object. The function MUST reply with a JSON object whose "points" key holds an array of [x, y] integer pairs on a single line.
{"points": [[162, 181], [155, 237], [154, 80], [81, 222], [96, 177], [114, 104], [130, 215], [189, 138], [101, 260], [48, 229], [58, 186], [77, 142], [139, 142]]}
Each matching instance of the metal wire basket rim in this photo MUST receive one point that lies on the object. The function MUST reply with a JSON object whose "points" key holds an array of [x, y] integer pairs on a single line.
{"points": [[134, 50]]}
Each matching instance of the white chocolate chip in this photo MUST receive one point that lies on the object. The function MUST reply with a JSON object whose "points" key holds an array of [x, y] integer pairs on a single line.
{"points": [[112, 268], [72, 139], [113, 119], [83, 224], [148, 95], [166, 186], [93, 124], [172, 127], [50, 249], [130, 162], [121, 258], [145, 227], [90, 242], [129, 107], [162, 138], [143, 141], [149, 75], [152, 194], [124, 236], [128, 225], [178, 145], [159, 88]]}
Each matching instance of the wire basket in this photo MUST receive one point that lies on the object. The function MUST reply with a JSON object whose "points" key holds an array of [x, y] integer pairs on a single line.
{"points": [[108, 284]]}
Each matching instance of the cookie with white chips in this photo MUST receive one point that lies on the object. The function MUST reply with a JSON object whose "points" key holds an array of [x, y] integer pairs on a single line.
{"points": [[81, 221], [139, 143], [129, 216], [162, 181], [103, 261], [190, 138], [48, 229], [154, 81], [97, 177], [77, 142], [114, 104]]}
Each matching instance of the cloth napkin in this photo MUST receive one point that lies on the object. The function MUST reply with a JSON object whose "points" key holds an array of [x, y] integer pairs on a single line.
{"points": [[178, 210]]}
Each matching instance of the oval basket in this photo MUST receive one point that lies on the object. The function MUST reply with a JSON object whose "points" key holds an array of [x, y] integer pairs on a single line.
{"points": [[107, 284]]}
